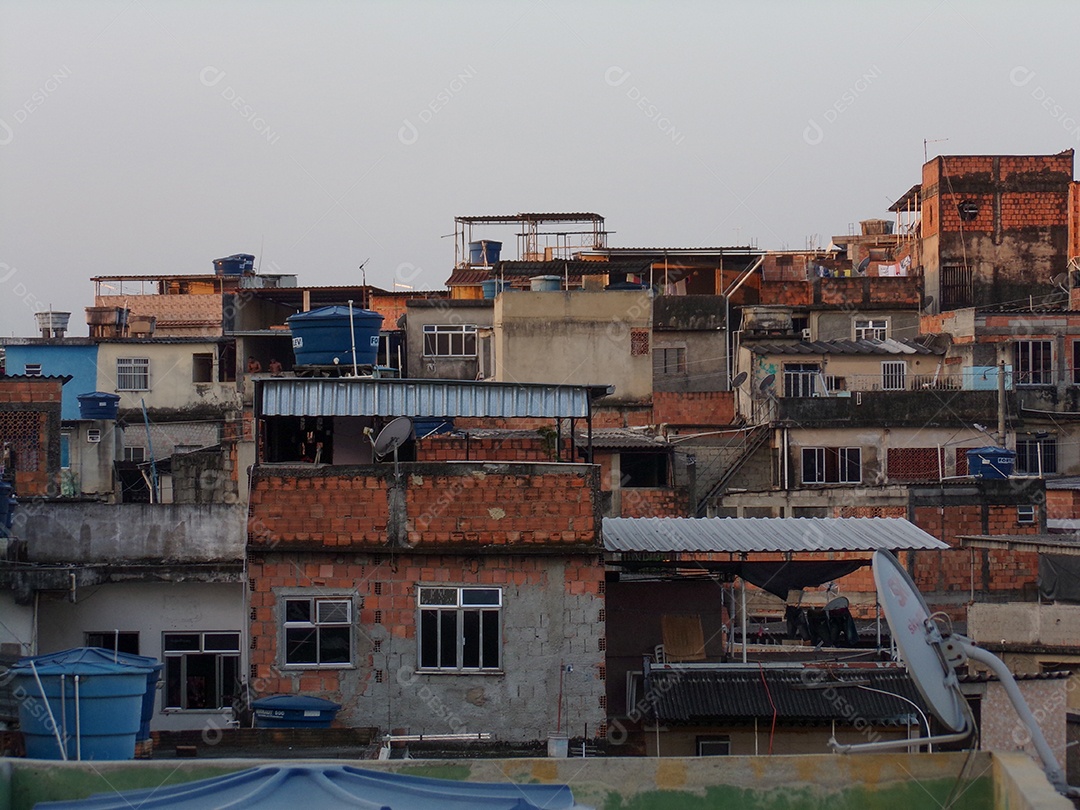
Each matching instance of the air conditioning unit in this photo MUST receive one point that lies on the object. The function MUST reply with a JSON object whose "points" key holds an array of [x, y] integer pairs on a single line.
{"points": [[93, 436], [806, 334]]}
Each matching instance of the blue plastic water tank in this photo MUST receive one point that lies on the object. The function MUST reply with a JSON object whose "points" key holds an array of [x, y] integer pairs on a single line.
{"points": [[109, 708], [545, 283], [484, 252], [294, 711], [493, 286], [991, 462], [321, 337], [98, 405], [235, 265]]}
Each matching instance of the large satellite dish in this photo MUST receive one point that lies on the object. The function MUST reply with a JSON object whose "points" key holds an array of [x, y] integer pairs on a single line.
{"points": [[906, 612], [391, 437], [932, 657], [764, 384]]}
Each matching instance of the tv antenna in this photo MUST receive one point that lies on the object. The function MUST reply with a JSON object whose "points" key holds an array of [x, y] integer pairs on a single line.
{"points": [[932, 658], [926, 159]]}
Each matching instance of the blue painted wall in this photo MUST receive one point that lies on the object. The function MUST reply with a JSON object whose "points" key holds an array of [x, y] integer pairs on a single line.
{"points": [[78, 361]]}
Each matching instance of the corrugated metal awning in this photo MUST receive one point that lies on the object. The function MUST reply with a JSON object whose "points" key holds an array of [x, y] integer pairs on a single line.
{"points": [[760, 535], [318, 396], [1065, 544]]}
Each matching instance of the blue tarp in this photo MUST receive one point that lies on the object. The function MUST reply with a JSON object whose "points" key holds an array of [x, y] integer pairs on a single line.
{"points": [[329, 787]]}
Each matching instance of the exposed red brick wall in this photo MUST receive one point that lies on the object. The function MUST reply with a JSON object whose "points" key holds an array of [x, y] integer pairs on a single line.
{"points": [[516, 448], [1062, 504], [1033, 210], [1074, 221], [446, 504], [788, 293], [32, 431], [654, 502], [702, 408], [388, 587], [25, 391]]}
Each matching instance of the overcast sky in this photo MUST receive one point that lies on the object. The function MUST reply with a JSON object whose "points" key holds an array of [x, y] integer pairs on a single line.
{"points": [[151, 137]]}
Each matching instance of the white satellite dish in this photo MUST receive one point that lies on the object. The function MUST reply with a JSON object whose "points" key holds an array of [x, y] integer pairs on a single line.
{"points": [[391, 437], [906, 613], [931, 659]]}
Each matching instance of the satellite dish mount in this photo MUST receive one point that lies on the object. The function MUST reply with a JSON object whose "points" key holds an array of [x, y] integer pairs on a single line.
{"points": [[391, 437], [932, 658]]}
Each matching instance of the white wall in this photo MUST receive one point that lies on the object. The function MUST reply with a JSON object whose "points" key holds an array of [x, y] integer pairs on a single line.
{"points": [[149, 609]]}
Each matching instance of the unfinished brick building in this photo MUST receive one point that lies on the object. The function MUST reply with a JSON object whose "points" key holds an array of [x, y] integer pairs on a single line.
{"points": [[30, 433], [442, 597]]}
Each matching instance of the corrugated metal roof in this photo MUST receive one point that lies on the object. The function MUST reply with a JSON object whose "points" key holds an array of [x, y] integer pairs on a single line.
{"points": [[1064, 544], [802, 694], [865, 346], [622, 437], [749, 535], [307, 396]]}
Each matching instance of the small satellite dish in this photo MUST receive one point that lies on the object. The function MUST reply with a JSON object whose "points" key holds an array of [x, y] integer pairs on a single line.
{"points": [[740, 378], [391, 437], [768, 381], [929, 302], [906, 612], [839, 603], [1060, 281], [861, 269]]}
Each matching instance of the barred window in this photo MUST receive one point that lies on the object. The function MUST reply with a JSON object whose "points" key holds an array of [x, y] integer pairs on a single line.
{"points": [[1034, 362], [133, 374], [871, 329], [916, 463], [639, 342], [832, 465], [669, 361]]}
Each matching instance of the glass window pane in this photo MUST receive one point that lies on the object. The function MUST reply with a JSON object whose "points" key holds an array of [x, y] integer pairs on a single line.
{"points": [[173, 668], [228, 642], [480, 596], [200, 683], [491, 639], [301, 646], [230, 679], [438, 596], [333, 612], [298, 610], [181, 642], [470, 634], [334, 645], [429, 639], [448, 638]]}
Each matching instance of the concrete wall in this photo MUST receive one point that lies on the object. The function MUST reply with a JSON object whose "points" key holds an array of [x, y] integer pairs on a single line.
{"points": [[575, 338], [1056, 625], [76, 358], [443, 312], [1000, 728], [830, 325], [550, 618], [17, 626], [823, 782], [101, 533], [171, 385], [149, 609]]}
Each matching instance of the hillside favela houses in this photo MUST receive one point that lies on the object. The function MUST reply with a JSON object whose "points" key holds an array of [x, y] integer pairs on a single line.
{"points": [[584, 500]]}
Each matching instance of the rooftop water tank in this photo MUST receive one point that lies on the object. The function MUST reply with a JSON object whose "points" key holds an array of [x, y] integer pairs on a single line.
{"points": [[52, 324], [493, 286], [98, 405], [97, 716], [294, 711], [321, 337], [545, 283], [485, 252], [991, 462], [235, 265]]}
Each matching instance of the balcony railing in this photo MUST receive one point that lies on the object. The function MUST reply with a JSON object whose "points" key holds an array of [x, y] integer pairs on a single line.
{"points": [[832, 385]]}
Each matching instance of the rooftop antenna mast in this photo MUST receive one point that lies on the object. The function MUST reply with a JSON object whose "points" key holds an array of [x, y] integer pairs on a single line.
{"points": [[925, 158], [363, 280]]}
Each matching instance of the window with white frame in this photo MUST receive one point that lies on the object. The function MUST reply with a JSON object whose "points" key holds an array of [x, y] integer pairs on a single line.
{"points": [[871, 328], [135, 454], [1036, 455], [460, 629], [32, 370], [714, 746], [800, 379], [133, 374], [318, 631], [65, 451], [1025, 513], [893, 375], [202, 670], [449, 340], [1033, 362], [832, 465]]}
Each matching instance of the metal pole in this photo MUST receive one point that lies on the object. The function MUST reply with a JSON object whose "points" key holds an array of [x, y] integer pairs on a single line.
{"points": [[48, 708], [1001, 394], [352, 339], [78, 724], [742, 585]]}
